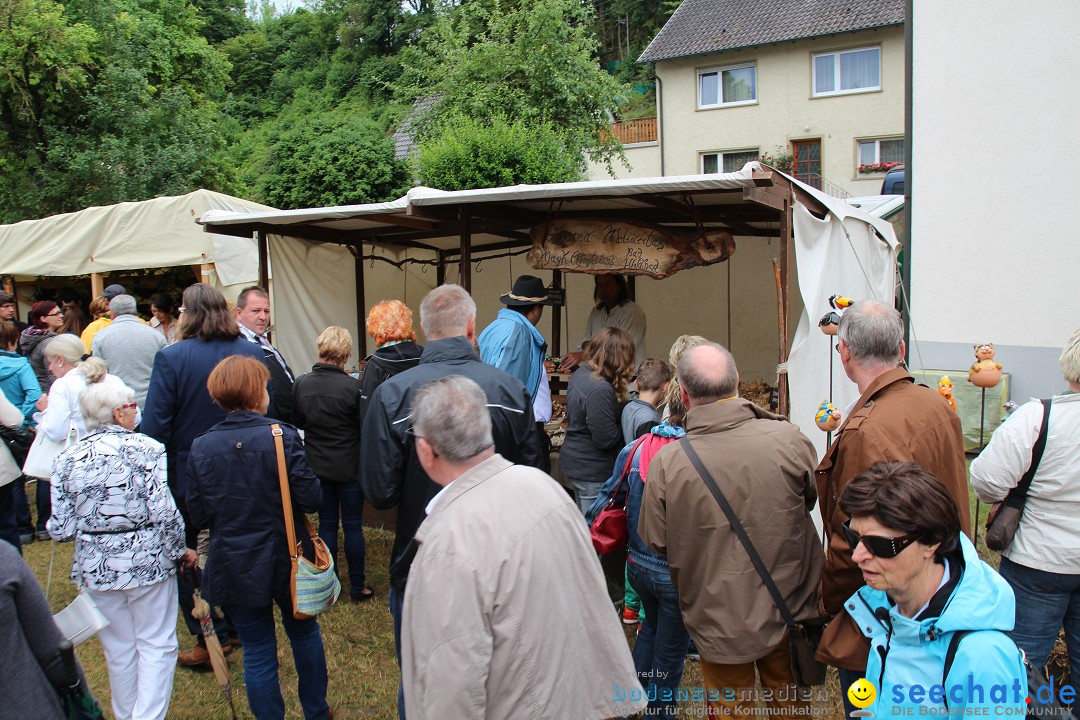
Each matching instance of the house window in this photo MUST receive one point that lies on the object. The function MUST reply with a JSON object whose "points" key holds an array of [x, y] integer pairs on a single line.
{"points": [[733, 85], [880, 155], [849, 71], [727, 162]]}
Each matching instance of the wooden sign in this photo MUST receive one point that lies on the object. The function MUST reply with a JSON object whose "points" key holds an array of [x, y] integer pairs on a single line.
{"points": [[599, 247]]}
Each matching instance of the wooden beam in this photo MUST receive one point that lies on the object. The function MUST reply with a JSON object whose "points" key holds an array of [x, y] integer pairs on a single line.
{"points": [[440, 269], [763, 179], [97, 285], [764, 197], [361, 304], [556, 317], [785, 305], [264, 259], [465, 260]]}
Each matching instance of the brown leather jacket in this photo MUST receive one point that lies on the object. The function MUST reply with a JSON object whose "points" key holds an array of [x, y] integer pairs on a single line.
{"points": [[895, 420], [764, 466]]}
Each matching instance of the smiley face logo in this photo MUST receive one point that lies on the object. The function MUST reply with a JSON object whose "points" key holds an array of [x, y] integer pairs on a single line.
{"points": [[862, 693]]}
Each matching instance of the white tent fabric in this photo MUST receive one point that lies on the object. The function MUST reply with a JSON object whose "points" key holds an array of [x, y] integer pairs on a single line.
{"points": [[129, 236]]}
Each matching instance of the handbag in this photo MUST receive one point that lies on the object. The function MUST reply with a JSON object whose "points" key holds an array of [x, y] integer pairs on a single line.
{"points": [[81, 619], [803, 638], [43, 451], [18, 441], [1004, 517], [314, 586], [608, 529]]}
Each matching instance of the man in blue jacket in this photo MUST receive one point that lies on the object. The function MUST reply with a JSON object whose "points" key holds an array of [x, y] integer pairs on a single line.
{"points": [[514, 345]]}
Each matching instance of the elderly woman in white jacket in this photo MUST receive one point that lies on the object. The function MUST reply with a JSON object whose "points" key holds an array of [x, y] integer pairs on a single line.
{"points": [[12, 417], [59, 418], [1042, 563], [111, 495]]}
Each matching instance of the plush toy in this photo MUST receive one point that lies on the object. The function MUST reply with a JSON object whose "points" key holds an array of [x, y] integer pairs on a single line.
{"points": [[985, 371], [830, 322], [944, 388], [828, 417]]}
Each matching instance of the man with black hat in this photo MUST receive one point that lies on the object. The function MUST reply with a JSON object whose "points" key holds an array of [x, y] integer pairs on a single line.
{"points": [[514, 345]]}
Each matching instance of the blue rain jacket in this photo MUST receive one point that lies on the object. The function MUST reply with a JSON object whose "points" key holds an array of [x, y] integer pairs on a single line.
{"points": [[513, 345], [907, 656]]}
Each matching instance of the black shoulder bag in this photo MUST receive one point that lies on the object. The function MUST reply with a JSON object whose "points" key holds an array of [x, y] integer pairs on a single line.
{"points": [[803, 639], [1004, 518]]}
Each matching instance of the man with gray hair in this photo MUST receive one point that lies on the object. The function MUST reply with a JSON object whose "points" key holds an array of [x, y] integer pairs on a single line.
{"points": [[128, 346], [390, 472], [764, 465], [894, 420], [505, 584]]}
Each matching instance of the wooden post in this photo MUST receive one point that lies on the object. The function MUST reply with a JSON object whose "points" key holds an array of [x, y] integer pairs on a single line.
{"points": [[97, 285], [264, 260], [556, 317], [783, 302], [440, 269], [465, 262], [206, 273], [631, 287], [361, 303]]}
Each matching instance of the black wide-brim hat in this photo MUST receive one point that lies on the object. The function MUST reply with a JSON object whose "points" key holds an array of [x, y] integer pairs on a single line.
{"points": [[528, 290]]}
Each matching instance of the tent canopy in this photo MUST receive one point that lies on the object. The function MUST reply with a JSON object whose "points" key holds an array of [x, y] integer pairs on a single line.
{"points": [[131, 236]]}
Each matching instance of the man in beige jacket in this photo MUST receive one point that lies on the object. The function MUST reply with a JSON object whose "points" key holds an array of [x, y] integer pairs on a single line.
{"points": [[506, 613], [764, 466]]}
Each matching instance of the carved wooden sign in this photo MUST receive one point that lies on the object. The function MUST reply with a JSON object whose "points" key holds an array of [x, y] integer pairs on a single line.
{"points": [[599, 247]]}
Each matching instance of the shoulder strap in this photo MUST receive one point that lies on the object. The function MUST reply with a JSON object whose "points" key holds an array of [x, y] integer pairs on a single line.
{"points": [[1019, 493], [950, 654], [626, 470], [286, 496], [740, 531]]}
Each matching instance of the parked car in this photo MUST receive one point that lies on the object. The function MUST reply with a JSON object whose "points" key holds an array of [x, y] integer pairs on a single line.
{"points": [[894, 182]]}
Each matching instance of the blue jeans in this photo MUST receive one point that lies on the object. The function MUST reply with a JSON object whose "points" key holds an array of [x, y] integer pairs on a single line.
{"points": [[586, 491], [1045, 602], [43, 500], [397, 607], [255, 626], [348, 499], [662, 641]]}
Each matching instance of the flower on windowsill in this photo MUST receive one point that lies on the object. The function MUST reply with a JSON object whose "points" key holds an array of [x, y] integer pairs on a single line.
{"points": [[881, 167]]}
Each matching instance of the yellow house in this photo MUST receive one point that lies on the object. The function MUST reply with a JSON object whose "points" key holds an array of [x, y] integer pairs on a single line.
{"points": [[822, 81]]}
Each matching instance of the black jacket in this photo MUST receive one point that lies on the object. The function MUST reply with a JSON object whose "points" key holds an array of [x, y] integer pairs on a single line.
{"points": [[385, 363], [390, 472], [281, 395], [31, 346], [593, 429], [326, 405], [233, 490]]}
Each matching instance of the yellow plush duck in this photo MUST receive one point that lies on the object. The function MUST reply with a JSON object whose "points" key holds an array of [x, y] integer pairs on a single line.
{"points": [[985, 371], [945, 389], [828, 417]]}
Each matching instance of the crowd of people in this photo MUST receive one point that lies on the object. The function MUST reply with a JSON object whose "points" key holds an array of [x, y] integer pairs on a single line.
{"points": [[171, 435]]}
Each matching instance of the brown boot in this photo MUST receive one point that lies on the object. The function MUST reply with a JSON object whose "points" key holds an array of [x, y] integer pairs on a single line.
{"points": [[194, 657]]}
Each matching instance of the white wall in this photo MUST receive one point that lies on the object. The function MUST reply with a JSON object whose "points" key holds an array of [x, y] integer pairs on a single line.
{"points": [[644, 160], [995, 155]]}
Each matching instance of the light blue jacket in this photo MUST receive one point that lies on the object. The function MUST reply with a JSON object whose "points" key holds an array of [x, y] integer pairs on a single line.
{"points": [[513, 345], [908, 654], [18, 382]]}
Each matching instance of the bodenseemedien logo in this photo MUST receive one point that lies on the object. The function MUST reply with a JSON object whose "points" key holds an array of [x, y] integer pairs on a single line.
{"points": [[862, 694]]}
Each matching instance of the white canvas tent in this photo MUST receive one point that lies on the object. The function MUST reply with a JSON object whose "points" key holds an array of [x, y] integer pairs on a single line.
{"points": [[321, 256], [132, 236]]}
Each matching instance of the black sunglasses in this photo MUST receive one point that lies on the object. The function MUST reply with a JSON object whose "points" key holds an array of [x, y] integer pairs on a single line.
{"points": [[882, 547]]}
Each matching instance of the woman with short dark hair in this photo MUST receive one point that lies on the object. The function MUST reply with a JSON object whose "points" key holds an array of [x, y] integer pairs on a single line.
{"points": [[924, 584], [163, 320], [46, 319], [233, 490]]}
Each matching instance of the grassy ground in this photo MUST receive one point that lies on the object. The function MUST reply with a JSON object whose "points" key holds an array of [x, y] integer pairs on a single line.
{"points": [[359, 648]]}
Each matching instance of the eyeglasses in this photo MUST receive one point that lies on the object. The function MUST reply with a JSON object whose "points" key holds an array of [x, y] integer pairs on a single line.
{"points": [[182, 309], [55, 313], [128, 406], [881, 547]]}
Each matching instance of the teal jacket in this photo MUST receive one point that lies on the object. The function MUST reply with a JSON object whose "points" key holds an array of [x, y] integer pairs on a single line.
{"points": [[907, 656], [513, 345], [18, 382]]}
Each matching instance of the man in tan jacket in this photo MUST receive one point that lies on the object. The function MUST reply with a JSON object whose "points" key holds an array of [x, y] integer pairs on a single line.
{"points": [[764, 466], [506, 612], [894, 420]]}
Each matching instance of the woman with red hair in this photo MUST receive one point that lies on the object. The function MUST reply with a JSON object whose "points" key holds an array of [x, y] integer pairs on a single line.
{"points": [[390, 324], [46, 318]]}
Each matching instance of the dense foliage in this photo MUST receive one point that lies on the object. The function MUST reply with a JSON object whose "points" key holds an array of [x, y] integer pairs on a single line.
{"points": [[103, 101]]}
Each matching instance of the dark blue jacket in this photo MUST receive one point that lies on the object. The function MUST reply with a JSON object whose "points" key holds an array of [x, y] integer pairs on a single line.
{"points": [[178, 406], [233, 490]]}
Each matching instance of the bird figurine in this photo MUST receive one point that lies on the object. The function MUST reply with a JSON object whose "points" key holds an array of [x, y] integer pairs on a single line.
{"points": [[828, 417], [985, 371], [944, 388], [830, 322]]}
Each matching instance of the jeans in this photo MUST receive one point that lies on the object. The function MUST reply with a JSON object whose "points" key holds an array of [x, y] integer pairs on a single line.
{"points": [[586, 491], [1045, 602], [348, 499], [662, 641], [397, 607], [847, 679], [23, 519], [9, 532], [255, 627], [43, 500]]}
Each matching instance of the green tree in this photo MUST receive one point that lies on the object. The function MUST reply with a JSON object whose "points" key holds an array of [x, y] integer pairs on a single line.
{"points": [[469, 153], [332, 159], [535, 62]]}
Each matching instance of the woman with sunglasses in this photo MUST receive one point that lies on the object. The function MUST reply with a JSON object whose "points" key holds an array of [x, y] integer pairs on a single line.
{"points": [[924, 583], [46, 319], [111, 496]]}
